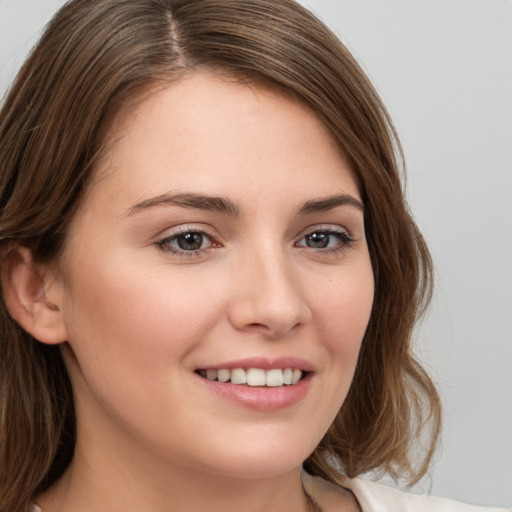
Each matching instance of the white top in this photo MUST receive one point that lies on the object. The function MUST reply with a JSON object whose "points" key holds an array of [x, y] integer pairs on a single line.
{"points": [[375, 497]]}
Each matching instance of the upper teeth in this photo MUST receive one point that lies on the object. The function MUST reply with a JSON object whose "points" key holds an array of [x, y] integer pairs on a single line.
{"points": [[255, 376]]}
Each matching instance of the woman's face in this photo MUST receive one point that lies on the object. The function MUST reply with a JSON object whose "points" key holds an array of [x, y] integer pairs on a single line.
{"points": [[222, 238]]}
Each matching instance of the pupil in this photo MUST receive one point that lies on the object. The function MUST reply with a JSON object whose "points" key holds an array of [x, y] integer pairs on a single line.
{"points": [[190, 241], [318, 240]]}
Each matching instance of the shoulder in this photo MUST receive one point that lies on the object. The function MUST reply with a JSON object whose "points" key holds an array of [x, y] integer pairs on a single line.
{"points": [[375, 497]]}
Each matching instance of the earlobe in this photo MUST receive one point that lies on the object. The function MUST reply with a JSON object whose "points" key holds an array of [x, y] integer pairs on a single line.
{"points": [[24, 289]]}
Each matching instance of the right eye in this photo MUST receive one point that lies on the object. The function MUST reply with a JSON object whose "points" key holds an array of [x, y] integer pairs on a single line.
{"points": [[186, 243]]}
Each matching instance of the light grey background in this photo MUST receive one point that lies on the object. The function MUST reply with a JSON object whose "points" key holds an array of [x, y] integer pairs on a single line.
{"points": [[444, 70]]}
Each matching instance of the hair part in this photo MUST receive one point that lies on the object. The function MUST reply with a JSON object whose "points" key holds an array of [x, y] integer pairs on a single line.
{"points": [[94, 59]]}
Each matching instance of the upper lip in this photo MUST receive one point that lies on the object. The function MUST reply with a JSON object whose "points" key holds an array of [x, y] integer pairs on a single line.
{"points": [[263, 363]]}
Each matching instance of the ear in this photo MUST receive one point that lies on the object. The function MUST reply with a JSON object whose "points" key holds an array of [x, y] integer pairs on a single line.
{"points": [[25, 287]]}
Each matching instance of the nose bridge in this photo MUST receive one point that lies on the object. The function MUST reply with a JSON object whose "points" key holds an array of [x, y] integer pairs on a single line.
{"points": [[268, 291]]}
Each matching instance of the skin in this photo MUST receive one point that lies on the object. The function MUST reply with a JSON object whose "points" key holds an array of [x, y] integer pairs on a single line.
{"points": [[140, 315]]}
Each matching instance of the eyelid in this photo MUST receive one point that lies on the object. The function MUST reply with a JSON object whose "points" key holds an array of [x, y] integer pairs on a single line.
{"points": [[345, 239], [184, 229], [328, 228]]}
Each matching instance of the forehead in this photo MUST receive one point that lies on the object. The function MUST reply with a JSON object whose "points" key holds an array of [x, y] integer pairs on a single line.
{"points": [[209, 131]]}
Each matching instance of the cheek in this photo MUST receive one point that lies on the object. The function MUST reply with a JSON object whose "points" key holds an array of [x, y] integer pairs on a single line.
{"points": [[132, 333], [343, 312], [343, 308], [137, 318]]}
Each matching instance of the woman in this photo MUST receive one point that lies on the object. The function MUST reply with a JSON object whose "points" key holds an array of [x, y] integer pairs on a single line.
{"points": [[209, 272]]}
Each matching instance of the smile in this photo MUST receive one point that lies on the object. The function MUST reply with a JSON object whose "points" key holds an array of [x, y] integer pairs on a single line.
{"points": [[275, 377]]}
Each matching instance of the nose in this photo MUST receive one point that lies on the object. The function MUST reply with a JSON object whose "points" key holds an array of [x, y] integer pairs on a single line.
{"points": [[267, 296]]}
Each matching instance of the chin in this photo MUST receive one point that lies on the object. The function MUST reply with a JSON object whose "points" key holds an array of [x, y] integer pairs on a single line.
{"points": [[265, 457]]}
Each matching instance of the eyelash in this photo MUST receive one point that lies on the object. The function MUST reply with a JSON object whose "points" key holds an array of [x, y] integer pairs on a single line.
{"points": [[344, 241], [343, 238], [165, 246]]}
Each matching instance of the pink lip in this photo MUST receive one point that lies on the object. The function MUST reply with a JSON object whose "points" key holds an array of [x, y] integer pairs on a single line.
{"points": [[260, 398], [263, 363]]}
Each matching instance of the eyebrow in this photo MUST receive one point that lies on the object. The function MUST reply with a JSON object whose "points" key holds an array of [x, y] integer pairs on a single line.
{"points": [[226, 206], [197, 201], [328, 203]]}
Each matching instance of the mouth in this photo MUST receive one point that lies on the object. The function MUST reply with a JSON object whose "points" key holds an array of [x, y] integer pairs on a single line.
{"points": [[254, 377]]}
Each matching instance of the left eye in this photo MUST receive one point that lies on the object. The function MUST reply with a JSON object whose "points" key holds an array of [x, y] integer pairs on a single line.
{"points": [[189, 241], [324, 240]]}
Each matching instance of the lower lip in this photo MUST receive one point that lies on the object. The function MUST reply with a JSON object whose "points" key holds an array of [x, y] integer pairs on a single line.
{"points": [[261, 398]]}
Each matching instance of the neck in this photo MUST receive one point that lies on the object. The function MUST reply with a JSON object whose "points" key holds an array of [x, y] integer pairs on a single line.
{"points": [[89, 485]]}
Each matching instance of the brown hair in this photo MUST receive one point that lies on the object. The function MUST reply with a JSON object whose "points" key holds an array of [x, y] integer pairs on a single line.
{"points": [[93, 58]]}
